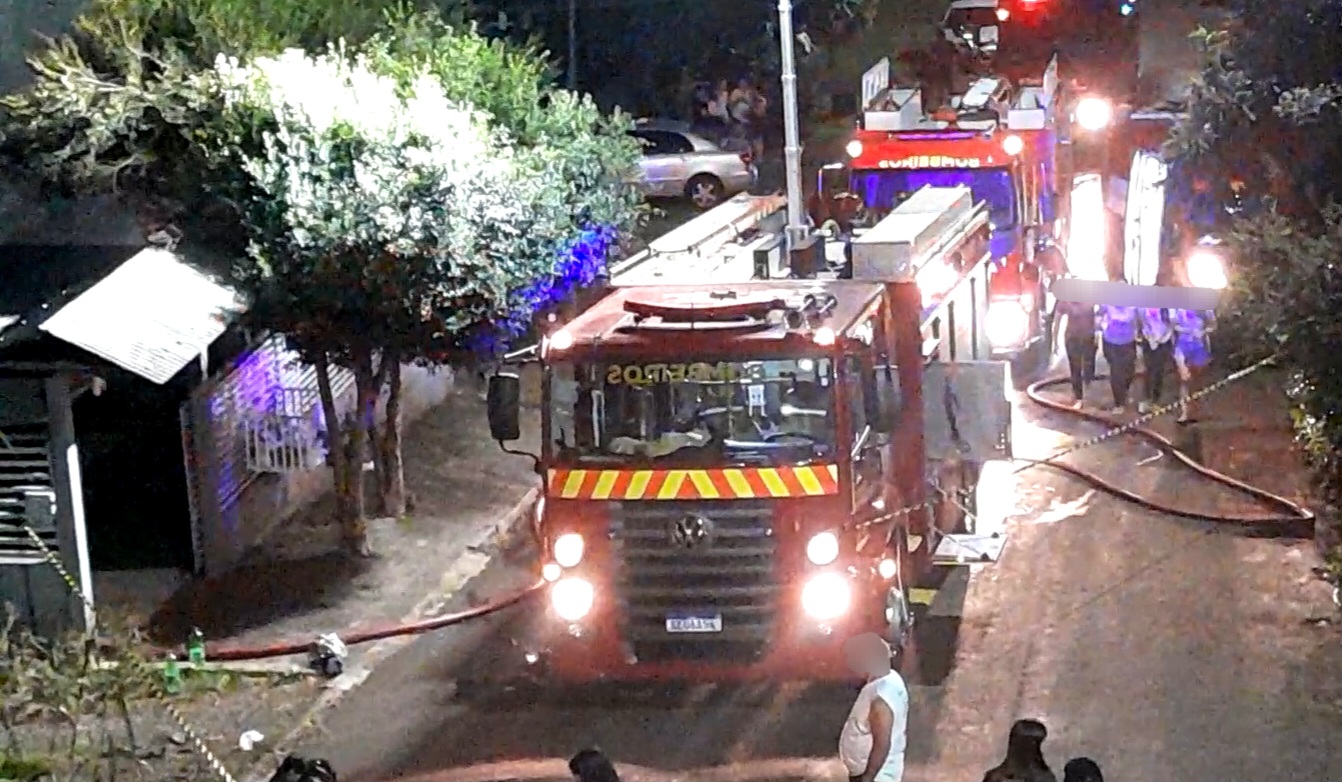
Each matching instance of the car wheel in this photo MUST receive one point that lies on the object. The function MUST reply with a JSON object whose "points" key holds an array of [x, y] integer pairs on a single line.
{"points": [[704, 191]]}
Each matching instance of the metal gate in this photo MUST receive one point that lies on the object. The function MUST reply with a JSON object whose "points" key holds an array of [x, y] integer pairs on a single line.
{"points": [[29, 584], [262, 415]]}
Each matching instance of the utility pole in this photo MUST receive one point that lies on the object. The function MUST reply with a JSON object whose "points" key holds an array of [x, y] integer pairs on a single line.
{"points": [[796, 221], [573, 44]]}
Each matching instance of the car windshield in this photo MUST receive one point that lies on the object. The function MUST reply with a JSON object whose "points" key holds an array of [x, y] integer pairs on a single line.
{"points": [[885, 189], [760, 413]]}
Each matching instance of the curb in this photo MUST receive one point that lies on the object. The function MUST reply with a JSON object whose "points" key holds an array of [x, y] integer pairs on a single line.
{"points": [[480, 552]]}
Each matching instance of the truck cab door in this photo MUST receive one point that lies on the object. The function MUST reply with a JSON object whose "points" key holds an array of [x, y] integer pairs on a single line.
{"points": [[967, 411], [967, 431]]}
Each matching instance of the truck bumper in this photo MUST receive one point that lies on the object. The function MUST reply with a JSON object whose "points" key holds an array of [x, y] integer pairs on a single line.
{"points": [[798, 649]]}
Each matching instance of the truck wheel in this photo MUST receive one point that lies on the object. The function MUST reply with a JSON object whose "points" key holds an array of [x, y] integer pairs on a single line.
{"points": [[704, 191]]}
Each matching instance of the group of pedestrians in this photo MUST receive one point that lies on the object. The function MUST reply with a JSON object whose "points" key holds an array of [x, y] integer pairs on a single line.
{"points": [[1163, 339], [733, 112], [873, 740]]}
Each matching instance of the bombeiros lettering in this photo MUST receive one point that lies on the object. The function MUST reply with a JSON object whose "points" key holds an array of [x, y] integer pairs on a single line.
{"points": [[932, 161], [653, 374]]}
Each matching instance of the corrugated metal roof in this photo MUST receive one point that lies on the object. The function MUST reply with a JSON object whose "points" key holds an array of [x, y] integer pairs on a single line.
{"points": [[152, 316]]}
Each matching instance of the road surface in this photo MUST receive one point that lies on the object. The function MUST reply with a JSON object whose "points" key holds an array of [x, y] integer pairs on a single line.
{"points": [[1159, 647], [1162, 648]]}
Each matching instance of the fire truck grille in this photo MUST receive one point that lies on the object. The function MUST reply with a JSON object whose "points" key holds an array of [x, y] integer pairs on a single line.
{"points": [[697, 580]]}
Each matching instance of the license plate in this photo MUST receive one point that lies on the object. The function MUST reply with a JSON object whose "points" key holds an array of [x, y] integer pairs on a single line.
{"points": [[711, 623]]}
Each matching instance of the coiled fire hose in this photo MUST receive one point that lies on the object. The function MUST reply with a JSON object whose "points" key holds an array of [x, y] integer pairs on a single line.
{"points": [[1295, 521]]}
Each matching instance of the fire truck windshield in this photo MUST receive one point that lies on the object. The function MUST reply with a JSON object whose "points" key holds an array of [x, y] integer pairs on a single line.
{"points": [[767, 412], [884, 189]]}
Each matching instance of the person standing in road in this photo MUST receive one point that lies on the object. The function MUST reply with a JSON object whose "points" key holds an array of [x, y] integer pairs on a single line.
{"points": [[873, 739], [1082, 770], [1192, 353], [1157, 344], [1024, 760], [1119, 331], [1078, 328]]}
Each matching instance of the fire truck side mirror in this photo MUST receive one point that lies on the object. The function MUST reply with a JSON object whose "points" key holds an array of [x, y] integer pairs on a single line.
{"points": [[503, 403]]}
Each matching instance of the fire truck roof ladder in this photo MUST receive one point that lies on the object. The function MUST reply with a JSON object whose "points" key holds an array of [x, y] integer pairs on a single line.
{"points": [[725, 310], [988, 103], [916, 234], [718, 246]]}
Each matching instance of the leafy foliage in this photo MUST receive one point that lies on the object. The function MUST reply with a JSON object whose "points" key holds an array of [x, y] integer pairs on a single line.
{"points": [[385, 216], [1268, 109], [1267, 105], [107, 109]]}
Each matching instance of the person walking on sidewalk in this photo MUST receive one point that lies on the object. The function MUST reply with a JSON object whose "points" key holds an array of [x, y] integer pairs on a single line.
{"points": [[1119, 331], [872, 742], [1157, 345], [1192, 353], [1078, 328], [1024, 760]]}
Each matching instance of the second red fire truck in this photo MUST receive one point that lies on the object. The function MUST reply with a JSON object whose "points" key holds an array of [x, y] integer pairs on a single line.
{"points": [[743, 468], [998, 137]]}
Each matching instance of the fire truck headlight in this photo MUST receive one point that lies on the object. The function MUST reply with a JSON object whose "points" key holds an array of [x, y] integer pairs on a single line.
{"points": [[1094, 113], [854, 148], [551, 572], [887, 569], [826, 597], [1013, 145], [1206, 269], [1007, 324], [568, 549], [823, 548], [572, 598], [1003, 14]]}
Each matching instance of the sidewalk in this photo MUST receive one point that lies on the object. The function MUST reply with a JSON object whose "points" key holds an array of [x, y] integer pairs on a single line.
{"points": [[468, 496], [299, 585]]}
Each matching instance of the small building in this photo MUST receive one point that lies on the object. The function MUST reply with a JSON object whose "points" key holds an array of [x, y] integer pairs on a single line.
{"points": [[99, 348], [141, 427]]}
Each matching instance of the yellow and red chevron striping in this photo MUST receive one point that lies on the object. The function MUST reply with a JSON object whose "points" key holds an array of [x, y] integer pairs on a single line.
{"points": [[717, 484]]}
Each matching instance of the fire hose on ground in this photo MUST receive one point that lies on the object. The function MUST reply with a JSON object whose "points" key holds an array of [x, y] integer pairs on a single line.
{"points": [[230, 653], [1295, 522]]}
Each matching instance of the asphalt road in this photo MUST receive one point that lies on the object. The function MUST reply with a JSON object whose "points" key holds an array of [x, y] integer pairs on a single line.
{"points": [[1164, 649], [1161, 648]]}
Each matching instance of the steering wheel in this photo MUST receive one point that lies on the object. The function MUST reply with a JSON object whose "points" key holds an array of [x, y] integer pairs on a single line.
{"points": [[794, 435]]}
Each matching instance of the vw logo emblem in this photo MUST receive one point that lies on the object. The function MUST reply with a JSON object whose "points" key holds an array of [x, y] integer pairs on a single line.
{"points": [[691, 531]]}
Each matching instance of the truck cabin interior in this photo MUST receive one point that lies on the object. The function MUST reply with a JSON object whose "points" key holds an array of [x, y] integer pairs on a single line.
{"points": [[751, 375]]}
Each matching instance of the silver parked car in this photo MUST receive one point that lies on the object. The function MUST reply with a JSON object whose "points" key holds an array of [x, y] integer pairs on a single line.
{"points": [[680, 163]]}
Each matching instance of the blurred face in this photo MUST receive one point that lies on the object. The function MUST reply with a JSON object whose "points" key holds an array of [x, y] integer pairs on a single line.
{"points": [[868, 655]]}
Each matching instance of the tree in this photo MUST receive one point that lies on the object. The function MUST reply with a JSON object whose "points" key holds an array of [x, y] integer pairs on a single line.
{"points": [[382, 217], [1268, 109], [356, 263]]}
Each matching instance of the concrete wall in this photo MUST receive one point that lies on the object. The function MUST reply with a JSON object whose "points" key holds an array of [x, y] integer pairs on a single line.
{"points": [[240, 531]]}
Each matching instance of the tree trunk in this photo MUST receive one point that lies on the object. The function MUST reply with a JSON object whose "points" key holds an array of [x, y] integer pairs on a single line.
{"points": [[392, 483], [346, 473]]}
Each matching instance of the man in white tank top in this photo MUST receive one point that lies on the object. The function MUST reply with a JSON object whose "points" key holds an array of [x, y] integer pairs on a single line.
{"points": [[873, 739]]}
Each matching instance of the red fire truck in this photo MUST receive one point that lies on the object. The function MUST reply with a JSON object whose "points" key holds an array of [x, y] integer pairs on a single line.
{"points": [[729, 450], [999, 138], [1165, 220]]}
